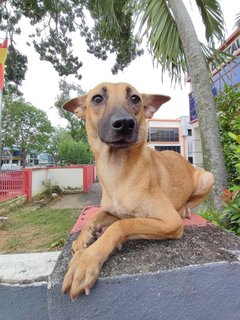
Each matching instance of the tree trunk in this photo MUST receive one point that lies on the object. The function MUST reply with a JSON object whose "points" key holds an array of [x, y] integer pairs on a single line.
{"points": [[24, 156], [213, 158]]}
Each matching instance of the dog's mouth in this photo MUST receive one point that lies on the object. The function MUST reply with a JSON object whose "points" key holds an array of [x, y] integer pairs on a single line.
{"points": [[120, 143]]}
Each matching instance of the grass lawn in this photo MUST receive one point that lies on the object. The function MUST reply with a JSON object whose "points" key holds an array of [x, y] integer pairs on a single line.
{"points": [[30, 230]]}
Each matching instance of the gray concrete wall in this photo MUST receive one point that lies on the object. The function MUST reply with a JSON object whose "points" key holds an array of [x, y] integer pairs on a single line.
{"points": [[194, 278], [208, 292], [23, 302]]}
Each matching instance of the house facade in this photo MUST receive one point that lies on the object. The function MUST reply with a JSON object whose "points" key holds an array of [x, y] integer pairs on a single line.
{"points": [[228, 74], [178, 135]]}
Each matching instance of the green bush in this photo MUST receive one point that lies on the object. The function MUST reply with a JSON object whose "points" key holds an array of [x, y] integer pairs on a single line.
{"points": [[73, 152], [230, 216], [232, 196], [228, 113], [231, 211]]}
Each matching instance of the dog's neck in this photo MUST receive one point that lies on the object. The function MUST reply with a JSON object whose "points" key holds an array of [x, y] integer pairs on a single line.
{"points": [[115, 159]]}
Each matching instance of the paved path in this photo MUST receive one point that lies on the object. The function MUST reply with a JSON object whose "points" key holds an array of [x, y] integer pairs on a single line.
{"points": [[80, 200]]}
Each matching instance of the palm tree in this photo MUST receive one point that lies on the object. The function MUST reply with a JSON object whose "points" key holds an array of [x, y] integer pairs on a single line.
{"points": [[174, 44]]}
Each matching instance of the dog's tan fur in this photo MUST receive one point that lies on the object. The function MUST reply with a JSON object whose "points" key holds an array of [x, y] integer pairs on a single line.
{"points": [[145, 193]]}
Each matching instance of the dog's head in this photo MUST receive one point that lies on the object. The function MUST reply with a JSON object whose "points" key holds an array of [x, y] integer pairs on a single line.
{"points": [[116, 113]]}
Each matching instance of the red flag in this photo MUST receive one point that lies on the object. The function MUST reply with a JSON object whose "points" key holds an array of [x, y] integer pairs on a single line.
{"points": [[3, 56]]}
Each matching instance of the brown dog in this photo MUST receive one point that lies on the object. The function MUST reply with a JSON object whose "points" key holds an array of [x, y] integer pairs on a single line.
{"points": [[145, 193]]}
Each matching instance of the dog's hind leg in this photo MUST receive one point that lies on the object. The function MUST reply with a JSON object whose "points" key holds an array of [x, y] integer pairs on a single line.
{"points": [[92, 229], [203, 187], [84, 268]]}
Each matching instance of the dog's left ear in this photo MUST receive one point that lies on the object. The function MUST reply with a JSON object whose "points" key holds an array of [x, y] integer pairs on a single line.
{"points": [[152, 103], [76, 106]]}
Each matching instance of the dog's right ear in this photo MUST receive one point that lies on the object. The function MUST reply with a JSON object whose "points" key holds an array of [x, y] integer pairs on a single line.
{"points": [[152, 103], [76, 106]]}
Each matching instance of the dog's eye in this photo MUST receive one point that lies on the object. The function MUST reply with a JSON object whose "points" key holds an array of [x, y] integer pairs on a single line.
{"points": [[97, 99], [135, 99]]}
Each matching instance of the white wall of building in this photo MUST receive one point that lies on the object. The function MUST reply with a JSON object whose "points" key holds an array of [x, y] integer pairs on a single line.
{"points": [[196, 146], [168, 123]]}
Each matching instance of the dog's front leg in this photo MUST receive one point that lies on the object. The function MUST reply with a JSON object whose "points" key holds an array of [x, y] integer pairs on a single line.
{"points": [[92, 229], [87, 236], [84, 268]]}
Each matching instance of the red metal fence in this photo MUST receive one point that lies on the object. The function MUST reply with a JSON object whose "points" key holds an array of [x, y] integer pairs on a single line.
{"points": [[12, 184]]}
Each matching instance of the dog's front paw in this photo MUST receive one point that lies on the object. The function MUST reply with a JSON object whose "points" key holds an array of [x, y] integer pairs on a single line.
{"points": [[82, 274], [85, 239]]}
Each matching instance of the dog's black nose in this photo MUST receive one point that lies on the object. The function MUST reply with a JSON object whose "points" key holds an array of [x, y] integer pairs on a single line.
{"points": [[123, 124]]}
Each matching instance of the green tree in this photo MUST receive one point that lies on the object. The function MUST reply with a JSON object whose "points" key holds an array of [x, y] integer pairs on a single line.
{"points": [[25, 127], [73, 152], [174, 44], [68, 151], [228, 113], [75, 126], [55, 23], [171, 38], [16, 67]]}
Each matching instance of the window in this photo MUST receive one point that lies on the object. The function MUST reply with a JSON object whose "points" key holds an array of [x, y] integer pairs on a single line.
{"points": [[190, 159], [164, 134], [173, 148]]}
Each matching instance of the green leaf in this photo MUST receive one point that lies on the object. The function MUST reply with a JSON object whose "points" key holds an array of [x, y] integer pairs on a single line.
{"points": [[235, 216]]}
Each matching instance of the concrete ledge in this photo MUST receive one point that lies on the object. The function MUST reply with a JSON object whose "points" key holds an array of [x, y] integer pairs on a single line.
{"points": [[196, 277], [24, 268], [24, 302], [23, 285], [193, 292]]}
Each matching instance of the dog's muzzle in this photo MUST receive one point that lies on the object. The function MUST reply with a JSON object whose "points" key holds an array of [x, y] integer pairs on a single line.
{"points": [[119, 130], [123, 125]]}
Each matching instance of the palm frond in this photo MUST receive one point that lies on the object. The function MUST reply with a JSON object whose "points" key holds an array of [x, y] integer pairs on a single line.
{"points": [[105, 10], [213, 20], [158, 25], [215, 58], [237, 20]]}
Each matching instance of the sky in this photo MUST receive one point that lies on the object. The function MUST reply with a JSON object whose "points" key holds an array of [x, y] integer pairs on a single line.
{"points": [[40, 86]]}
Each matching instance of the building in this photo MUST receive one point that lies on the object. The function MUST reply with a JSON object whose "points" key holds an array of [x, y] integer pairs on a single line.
{"points": [[229, 73], [226, 74], [12, 157], [178, 135]]}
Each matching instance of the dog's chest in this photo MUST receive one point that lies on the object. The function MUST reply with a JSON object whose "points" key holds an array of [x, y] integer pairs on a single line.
{"points": [[123, 203], [117, 204], [121, 209]]}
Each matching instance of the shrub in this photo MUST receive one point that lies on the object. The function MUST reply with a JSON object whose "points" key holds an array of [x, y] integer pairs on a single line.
{"points": [[228, 114], [230, 216], [232, 196], [73, 152]]}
